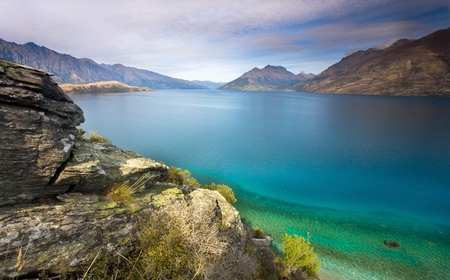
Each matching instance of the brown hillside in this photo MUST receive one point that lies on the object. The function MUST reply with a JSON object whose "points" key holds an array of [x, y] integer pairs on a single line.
{"points": [[408, 67]]}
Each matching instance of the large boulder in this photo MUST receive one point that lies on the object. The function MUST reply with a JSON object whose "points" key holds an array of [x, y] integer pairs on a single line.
{"points": [[38, 129], [65, 234]]}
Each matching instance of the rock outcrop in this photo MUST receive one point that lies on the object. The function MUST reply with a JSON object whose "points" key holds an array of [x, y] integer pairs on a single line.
{"points": [[95, 167], [65, 234], [38, 129], [55, 214]]}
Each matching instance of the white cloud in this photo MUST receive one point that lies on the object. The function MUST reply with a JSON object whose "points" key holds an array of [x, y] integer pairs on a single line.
{"points": [[198, 35]]}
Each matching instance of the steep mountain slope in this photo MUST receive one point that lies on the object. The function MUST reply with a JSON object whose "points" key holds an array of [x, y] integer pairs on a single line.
{"points": [[409, 67], [68, 69], [268, 78]]}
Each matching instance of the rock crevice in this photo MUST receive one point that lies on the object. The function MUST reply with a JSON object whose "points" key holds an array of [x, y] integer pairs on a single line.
{"points": [[38, 128]]}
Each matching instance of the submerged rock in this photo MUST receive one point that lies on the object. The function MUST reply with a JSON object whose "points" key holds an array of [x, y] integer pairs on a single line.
{"points": [[392, 244]]}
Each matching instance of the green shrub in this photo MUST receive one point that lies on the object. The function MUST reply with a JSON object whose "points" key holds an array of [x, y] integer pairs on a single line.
{"points": [[212, 187], [227, 193], [181, 177], [224, 190], [299, 254], [164, 251], [95, 137], [258, 233]]}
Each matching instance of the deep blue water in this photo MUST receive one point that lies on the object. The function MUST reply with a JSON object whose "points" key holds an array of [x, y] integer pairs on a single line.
{"points": [[351, 170]]}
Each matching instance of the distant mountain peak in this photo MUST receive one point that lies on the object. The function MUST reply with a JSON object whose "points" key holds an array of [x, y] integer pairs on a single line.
{"points": [[269, 78], [407, 67], [277, 67]]}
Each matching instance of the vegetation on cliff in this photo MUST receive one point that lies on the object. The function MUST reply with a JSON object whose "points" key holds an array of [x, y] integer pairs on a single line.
{"points": [[224, 190], [179, 243], [299, 255]]}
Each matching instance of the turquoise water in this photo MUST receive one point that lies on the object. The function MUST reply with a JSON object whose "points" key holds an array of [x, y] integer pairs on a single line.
{"points": [[350, 170]]}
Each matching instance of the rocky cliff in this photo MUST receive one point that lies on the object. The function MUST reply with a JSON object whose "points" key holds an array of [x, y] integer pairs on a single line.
{"points": [[56, 216], [408, 67], [38, 129], [268, 78]]}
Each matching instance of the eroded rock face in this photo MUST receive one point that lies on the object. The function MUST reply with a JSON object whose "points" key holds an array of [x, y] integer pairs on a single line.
{"points": [[38, 128], [65, 234], [62, 236], [95, 167]]}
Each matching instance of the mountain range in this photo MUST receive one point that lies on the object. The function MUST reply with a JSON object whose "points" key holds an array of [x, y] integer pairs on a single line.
{"points": [[408, 67], [268, 78], [418, 67], [68, 69]]}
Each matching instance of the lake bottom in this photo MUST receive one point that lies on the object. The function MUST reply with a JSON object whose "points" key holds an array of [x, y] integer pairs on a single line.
{"points": [[351, 243]]}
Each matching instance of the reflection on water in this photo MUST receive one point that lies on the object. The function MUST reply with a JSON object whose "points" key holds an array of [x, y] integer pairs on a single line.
{"points": [[352, 170]]}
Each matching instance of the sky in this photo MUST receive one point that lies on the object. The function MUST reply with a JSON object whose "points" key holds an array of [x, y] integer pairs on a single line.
{"points": [[218, 40]]}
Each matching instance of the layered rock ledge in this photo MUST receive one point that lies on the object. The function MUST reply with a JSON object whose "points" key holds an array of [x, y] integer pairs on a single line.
{"points": [[55, 215], [38, 128]]}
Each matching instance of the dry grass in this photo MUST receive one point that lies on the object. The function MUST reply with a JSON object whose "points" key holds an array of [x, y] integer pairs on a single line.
{"points": [[95, 137], [123, 192]]}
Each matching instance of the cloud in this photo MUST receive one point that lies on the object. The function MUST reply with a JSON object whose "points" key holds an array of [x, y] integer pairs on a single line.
{"points": [[387, 44], [162, 35]]}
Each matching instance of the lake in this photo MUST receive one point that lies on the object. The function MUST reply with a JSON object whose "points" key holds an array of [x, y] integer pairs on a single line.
{"points": [[351, 170]]}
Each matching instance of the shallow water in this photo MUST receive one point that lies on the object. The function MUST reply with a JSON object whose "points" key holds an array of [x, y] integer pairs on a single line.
{"points": [[351, 170]]}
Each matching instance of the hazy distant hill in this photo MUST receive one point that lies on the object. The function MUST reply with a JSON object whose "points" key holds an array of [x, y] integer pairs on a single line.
{"points": [[268, 78], [101, 87], [408, 67], [209, 84], [68, 69]]}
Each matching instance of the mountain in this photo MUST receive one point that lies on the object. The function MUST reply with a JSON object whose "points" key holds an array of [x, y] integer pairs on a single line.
{"points": [[68, 69], [209, 84], [268, 78], [409, 67]]}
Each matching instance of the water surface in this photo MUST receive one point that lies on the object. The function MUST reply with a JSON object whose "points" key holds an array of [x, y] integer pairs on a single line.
{"points": [[351, 170]]}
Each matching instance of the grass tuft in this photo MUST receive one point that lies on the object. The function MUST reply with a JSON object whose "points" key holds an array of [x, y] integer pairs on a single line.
{"points": [[123, 192], [95, 137]]}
